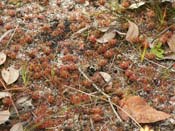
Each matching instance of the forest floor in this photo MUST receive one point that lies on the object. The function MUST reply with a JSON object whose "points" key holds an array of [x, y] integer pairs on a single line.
{"points": [[87, 65]]}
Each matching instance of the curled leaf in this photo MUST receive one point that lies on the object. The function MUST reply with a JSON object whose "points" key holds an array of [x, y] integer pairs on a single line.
{"points": [[10, 75], [2, 58], [133, 32], [106, 37], [136, 5], [4, 116], [141, 111], [171, 43], [106, 76]]}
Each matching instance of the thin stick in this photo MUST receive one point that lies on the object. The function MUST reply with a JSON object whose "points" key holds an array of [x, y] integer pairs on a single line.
{"points": [[162, 66], [106, 101], [16, 89], [13, 103], [106, 95], [161, 33], [112, 106], [12, 35], [93, 84], [5, 34], [92, 125]]}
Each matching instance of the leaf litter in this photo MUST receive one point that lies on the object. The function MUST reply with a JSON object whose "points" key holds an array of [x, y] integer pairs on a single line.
{"points": [[10, 75], [100, 29]]}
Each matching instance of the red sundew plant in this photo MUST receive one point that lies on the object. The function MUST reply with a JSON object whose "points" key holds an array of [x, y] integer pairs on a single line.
{"points": [[78, 81]]}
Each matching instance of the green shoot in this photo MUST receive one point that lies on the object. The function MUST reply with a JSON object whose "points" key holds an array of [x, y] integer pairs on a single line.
{"points": [[158, 51], [25, 75]]}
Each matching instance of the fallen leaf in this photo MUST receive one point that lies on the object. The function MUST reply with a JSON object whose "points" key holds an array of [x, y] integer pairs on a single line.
{"points": [[4, 94], [171, 43], [141, 111], [133, 32], [4, 116], [106, 76], [106, 37], [136, 5], [24, 101], [2, 58], [17, 127], [113, 25], [10, 75], [103, 29]]}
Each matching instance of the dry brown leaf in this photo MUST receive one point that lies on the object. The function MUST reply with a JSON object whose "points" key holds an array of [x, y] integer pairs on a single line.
{"points": [[17, 127], [2, 58], [4, 94], [4, 116], [106, 37], [141, 111], [10, 75], [133, 32], [171, 43]]}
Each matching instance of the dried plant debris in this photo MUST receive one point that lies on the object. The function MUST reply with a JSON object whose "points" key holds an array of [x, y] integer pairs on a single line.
{"points": [[10, 75], [4, 116], [17, 127], [124, 48], [2, 58], [171, 43], [141, 111], [133, 32]]}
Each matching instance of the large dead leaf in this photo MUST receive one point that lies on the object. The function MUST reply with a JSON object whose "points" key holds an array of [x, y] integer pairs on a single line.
{"points": [[133, 32], [2, 58], [141, 111], [10, 75], [4, 94], [17, 127], [106, 37], [171, 43], [4, 116]]}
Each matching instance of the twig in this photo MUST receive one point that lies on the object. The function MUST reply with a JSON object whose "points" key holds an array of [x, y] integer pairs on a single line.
{"points": [[13, 103], [106, 95], [92, 125], [12, 35], [112, 106], [81, 30], [5, 34], [16, 89], [93, 84], [161, 33], [162, 66], [101, 98]]}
